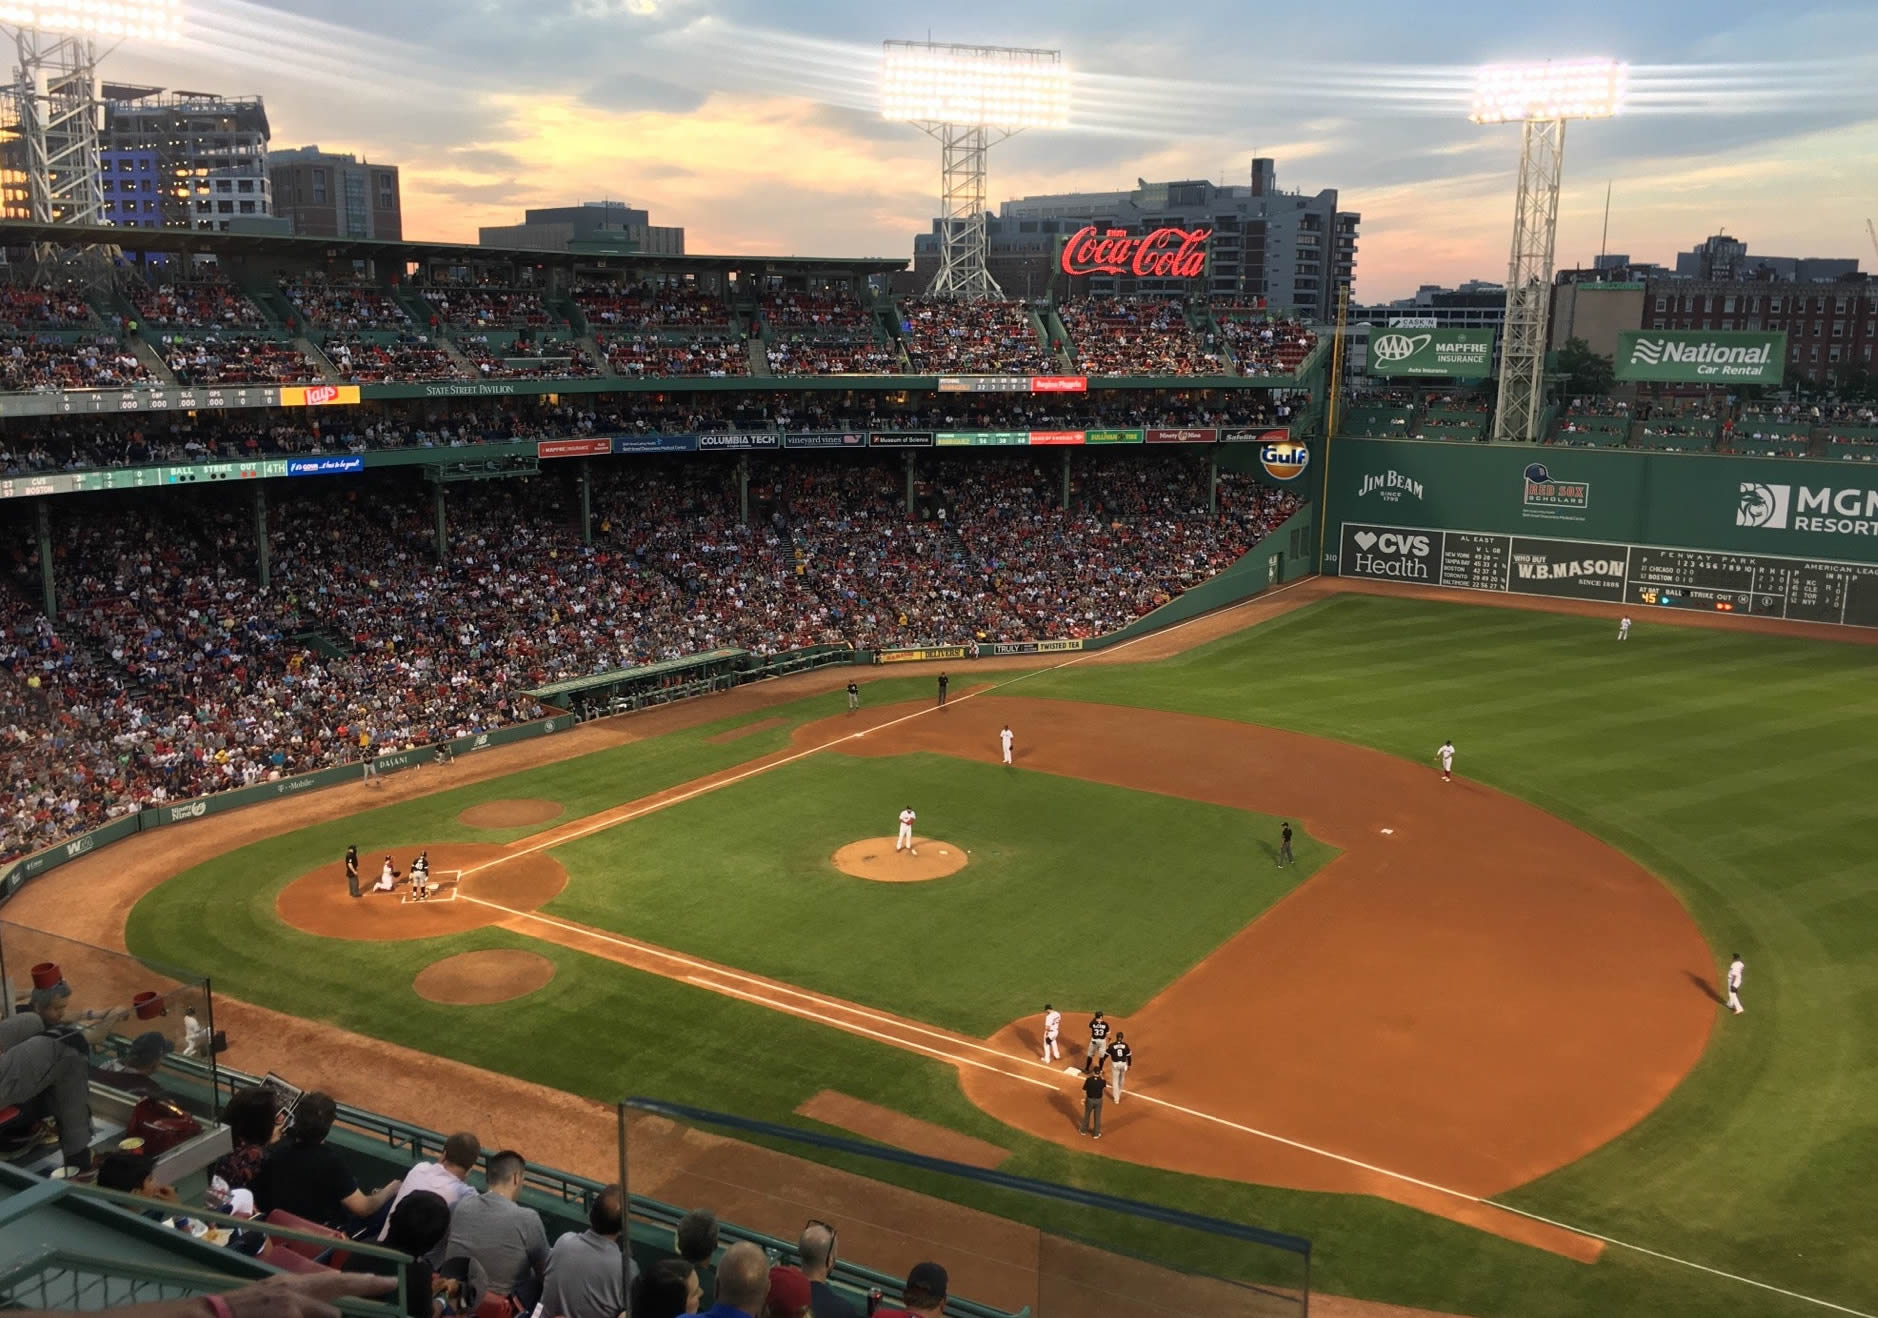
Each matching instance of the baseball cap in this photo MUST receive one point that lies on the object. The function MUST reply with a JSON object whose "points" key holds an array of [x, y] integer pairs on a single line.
{"points": [[928, 1277], [148, 1047], [788, 1290]]}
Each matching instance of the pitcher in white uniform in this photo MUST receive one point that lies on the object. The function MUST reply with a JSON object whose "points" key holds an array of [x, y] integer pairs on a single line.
{"points": [[905, 841], [1004, 740]]}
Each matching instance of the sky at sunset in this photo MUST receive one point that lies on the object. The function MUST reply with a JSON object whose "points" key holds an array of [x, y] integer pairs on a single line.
{"points": [[752, 124]]}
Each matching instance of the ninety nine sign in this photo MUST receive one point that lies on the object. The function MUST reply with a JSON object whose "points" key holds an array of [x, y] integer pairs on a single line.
{"points": [[1162, 254], [1702, 356]]}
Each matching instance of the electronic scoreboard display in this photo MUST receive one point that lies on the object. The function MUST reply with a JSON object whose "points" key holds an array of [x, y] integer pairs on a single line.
{"points": [[1648, 576]]}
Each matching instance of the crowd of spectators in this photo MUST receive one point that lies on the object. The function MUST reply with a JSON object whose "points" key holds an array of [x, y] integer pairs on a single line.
{"points": [[209, 303], [61, 306], [545, 357], [344, 303], [169, 673], [475, 307], [813, 354], [408, 357], [651, 306], [655, 355], [1263, 346], [1137, 336], [825, 312], [212, 359], [45, 363], [945, 336]]}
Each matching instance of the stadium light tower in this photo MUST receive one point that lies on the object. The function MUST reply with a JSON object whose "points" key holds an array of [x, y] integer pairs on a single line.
{"points": [[55, 107], [1540, 98], [969, 98]]}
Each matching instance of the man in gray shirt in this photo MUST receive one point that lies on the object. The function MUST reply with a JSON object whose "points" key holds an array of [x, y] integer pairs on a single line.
{"points": [[583, 1279], [499, 1233]]}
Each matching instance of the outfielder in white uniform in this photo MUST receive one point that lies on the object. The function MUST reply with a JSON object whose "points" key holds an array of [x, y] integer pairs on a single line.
{"points": [[905, 841], [1004, 740], [1737, 970], [1052, 1026], [1446, 756], [1623, 629]]}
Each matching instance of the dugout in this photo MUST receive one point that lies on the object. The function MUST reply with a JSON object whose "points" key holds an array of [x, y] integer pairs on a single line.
{"points": [[624, 689]]}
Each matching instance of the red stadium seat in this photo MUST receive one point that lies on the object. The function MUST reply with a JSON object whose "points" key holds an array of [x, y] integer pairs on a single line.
{"points": [[295, 1223]]}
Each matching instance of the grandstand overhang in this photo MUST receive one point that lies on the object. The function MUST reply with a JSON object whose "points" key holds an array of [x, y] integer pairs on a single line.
{"points": [[392, 253]]}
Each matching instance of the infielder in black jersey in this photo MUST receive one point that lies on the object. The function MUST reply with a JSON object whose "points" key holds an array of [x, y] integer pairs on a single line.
{"points": [[1121, 1056]]}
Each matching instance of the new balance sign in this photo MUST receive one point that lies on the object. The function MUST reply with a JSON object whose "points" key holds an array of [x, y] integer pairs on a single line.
{"points": [[1453, 354], [1702, 356]]}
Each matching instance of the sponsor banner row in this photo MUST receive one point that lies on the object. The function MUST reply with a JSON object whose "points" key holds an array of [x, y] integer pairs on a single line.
{"points": [[1013, 384], [1033, 647], [1647, 576], [919, 653]]}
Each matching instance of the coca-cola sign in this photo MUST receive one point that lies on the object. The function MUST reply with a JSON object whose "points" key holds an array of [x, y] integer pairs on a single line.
{"points": [[1163, 254]]}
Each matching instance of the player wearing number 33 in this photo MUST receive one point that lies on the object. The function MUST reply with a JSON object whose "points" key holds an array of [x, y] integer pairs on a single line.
{"points": [[905, 841]]}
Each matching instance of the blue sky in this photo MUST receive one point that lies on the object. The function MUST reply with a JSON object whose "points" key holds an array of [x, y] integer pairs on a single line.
{"points": [[750, 124]]}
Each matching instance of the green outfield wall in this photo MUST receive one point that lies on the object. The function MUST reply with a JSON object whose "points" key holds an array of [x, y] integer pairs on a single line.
{"points": [[1787, 538]]}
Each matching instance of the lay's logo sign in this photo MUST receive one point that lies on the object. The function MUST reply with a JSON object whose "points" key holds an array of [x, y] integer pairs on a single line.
{"points": [[1284, 459]]}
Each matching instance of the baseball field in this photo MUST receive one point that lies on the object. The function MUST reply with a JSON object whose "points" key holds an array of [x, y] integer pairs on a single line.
{"points": [[1470, 1043]]}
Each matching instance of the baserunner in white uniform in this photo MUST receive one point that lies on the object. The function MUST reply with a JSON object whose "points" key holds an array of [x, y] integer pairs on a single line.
{"points": [[1052, 1026], [1004, 740], [905, 842]]}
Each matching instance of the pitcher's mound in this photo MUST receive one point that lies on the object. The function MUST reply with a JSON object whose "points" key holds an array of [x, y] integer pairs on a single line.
{"points": [[476, 979], [874, 858], [511, 814]]}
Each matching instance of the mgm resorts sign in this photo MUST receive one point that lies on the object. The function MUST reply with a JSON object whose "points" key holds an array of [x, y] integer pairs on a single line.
{"points": [[1777, 506], [1702, 356]]}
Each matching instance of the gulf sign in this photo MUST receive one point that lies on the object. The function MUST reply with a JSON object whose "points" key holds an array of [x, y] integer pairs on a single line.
{"points": [[1284, 459]]}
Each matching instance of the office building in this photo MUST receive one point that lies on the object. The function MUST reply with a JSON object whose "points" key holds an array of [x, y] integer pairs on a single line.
{"points": [[598, 226], [326, 194], [207, 156], [1291, 249]]}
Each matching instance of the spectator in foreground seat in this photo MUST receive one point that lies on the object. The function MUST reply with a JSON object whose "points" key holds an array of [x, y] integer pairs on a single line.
{"points": [[39, 1075], [419, 1223], [135, 1071], [816, 1247], [305, 1176], [665, 1290], [583, 1273], [696, 1236], [498, 1232], [254, 1120], [742, 1282], [788, 1294], [447, 1178], [925, 1294], [135, 1173]]}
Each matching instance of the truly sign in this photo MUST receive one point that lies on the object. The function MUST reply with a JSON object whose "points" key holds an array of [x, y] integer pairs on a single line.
{"points": [[1163, 254], [1702, 356]]}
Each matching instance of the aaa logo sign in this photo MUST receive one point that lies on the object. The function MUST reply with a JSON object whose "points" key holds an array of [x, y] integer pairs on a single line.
{"points": [[1451, 354]]}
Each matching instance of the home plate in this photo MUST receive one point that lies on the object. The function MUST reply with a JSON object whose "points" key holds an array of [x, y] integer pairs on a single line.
{"points": [[1388, 831]]}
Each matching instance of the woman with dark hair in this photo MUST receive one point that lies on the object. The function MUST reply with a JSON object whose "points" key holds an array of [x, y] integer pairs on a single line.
{"points": [[417, 1226], [254, 1120]]}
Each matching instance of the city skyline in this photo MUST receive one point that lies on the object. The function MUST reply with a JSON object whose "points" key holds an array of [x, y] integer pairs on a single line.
{"points": [[751, 128]]}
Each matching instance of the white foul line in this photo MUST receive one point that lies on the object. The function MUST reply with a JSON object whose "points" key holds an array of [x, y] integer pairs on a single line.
{"points": [[601, 825]]}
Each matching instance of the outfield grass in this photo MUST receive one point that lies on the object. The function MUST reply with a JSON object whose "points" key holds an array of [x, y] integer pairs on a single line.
{"points": [[1060, 868], [1737, 766]]}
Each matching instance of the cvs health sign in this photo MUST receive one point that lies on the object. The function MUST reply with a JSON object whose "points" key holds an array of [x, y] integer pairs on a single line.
{"points": [[1389, 553]]}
